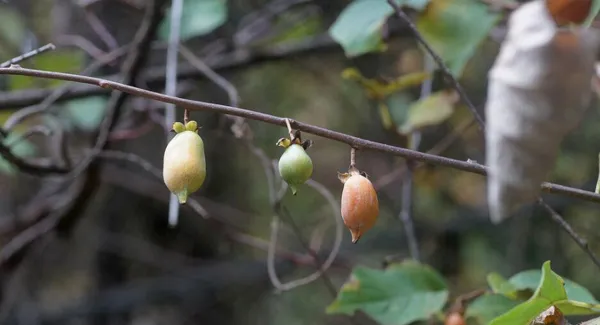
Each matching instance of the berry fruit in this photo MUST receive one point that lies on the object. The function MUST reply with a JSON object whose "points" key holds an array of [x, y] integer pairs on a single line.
{"points": [[455, 318], [360, 207], [184, 165], [295, 166]]}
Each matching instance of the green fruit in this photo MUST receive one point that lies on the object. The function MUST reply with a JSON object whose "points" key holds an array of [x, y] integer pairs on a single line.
{"points": [[295, 166], [184, 165]]}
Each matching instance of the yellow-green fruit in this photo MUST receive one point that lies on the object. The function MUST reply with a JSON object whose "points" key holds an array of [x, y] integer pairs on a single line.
{"points": [[184, 165]]}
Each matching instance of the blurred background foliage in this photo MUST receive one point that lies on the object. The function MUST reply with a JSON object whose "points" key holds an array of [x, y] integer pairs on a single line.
{"points": [[360, 74]]}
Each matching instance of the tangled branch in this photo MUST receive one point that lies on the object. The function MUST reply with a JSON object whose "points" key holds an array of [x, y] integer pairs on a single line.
{"points": [[356, 142]]}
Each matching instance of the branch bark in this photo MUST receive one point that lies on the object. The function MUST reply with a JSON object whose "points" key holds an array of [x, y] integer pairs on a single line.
{"points": [[156, 75], [356, 142]]}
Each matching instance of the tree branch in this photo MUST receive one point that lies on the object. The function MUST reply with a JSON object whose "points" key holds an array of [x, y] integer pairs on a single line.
{"points": [[156, 75], [582, 243], [440, 62], [356, 142]]}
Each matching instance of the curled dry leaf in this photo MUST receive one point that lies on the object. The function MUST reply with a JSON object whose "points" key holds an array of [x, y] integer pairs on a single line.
{"points": [[539, 88], [550, 316]]}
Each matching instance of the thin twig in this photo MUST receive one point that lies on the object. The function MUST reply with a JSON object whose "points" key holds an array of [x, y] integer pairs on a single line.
{"points": [[356, 142], [30, 234], [326, 280], [259, 243], [440, 62], [37, 169], [289, 127], [41, 107], [131, 68], [556, 217], [582, 243], [61, 204], [36, 129], [407, 185], [332, 255], [82, 43], [100, 29], [148, 167], [209, 73], [242, 131], [171, 89], [156, 75], [28, 55]]}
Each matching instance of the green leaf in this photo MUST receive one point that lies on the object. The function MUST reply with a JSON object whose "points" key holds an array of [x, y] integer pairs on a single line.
{"points": [[500, 285], [593, 13], [21, 148], [455, 28], [550, 291], [292, 25], [378, 89], [398, 105], [401, 294], [385, 115], [431, 110], [86, 113], [358, 27], [199, 17], [489, 306], [531, 278]]}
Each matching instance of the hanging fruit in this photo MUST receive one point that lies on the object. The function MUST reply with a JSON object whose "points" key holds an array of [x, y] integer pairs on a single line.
{"points": [[566, 12], [184, 165], [360, 207], [455, 318], [295, 166]]}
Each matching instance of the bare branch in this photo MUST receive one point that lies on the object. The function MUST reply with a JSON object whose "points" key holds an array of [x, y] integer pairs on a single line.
{"points": [[209, 73], [148, 167], [407, 181], [82, 43], [156, 75], [582, 243], [100, 30], [556, 217], [356, 142], [23, 165], [440, 62], [28, 55], [55, 94]]}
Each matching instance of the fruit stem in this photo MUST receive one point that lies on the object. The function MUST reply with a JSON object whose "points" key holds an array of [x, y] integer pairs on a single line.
{"points": [[186, 116], [290, 130], [352, 157]]}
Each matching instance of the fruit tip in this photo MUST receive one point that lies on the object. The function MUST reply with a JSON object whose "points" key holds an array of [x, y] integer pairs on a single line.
{"points": [[294, 190], [182, 197], [355, 235]]}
